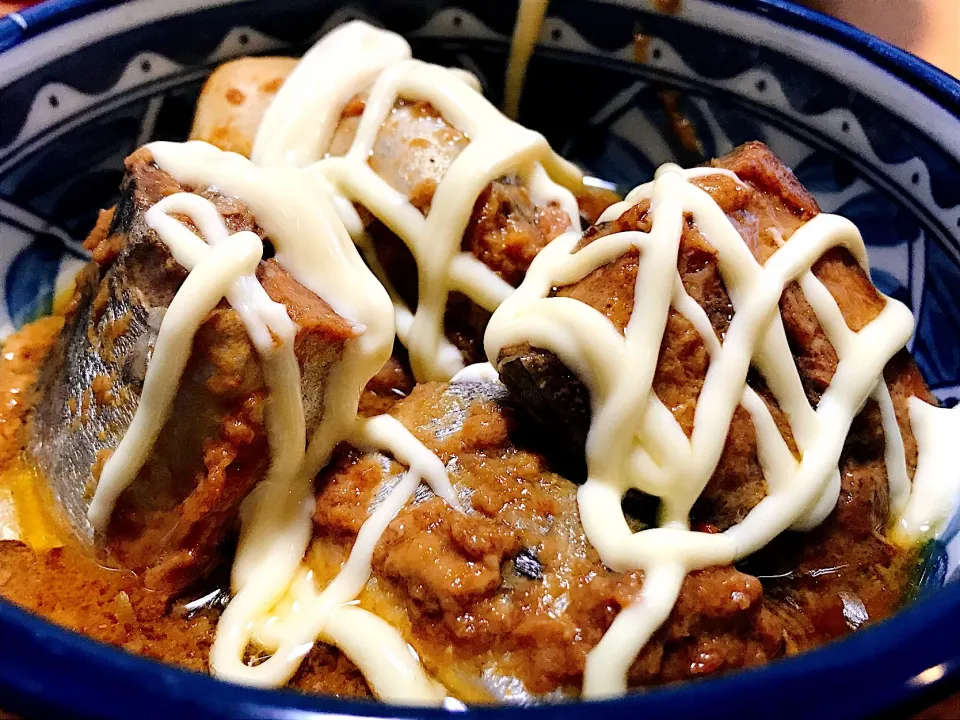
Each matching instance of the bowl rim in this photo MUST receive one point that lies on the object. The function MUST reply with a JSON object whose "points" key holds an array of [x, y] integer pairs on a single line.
{"points": [[899, 663], [928, 79], [907, 659], [18, 27]]}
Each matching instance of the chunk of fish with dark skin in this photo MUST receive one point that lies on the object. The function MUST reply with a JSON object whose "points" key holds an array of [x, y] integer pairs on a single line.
{"points": [[504, 601], [765, 208], [172, 521]]}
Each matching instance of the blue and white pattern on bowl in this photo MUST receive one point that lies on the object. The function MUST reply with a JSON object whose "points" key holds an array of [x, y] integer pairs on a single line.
{"points": [[872, 132]]}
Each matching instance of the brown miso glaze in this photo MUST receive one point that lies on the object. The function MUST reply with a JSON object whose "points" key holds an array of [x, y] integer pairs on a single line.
{"points": [[65, 586], [845, 573], [26, 508], [512, 589]]}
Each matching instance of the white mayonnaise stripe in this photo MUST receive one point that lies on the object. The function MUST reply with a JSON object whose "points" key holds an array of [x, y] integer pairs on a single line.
{"points": [[894, 453], [388, 663], [303, 201], [375, 434], [356, 58], [634, 442], [303, 116], [477, 373], [634, 625], [294, 210], [313, 613], [936, 483]]}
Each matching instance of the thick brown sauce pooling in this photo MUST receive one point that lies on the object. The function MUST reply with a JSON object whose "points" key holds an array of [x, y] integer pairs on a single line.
{"points": [[24, 507], [43, 570], [473, 594]]}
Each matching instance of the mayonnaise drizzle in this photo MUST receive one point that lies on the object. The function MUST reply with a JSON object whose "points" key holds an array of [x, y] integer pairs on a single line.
{"points": [[634, 441], [301, 220], [935, 494], [223, 266], [304, 202], [372, 646], [298, 126], [477, 373], [346, 63]]}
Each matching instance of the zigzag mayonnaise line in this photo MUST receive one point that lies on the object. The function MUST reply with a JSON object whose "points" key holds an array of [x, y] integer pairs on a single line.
{"points": [[294, 131], [634, 441]]}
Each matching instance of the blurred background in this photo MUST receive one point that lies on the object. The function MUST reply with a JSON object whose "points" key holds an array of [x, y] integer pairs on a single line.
{"points": [[928, 28]]}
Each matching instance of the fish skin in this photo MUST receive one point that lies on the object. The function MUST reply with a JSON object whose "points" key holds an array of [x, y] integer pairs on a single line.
{"points": [[66, 439], [173, 520], [501, 603]]}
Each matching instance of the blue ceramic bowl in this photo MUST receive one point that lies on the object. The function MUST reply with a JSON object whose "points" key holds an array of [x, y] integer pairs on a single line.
{"points": [[872, 131]]}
